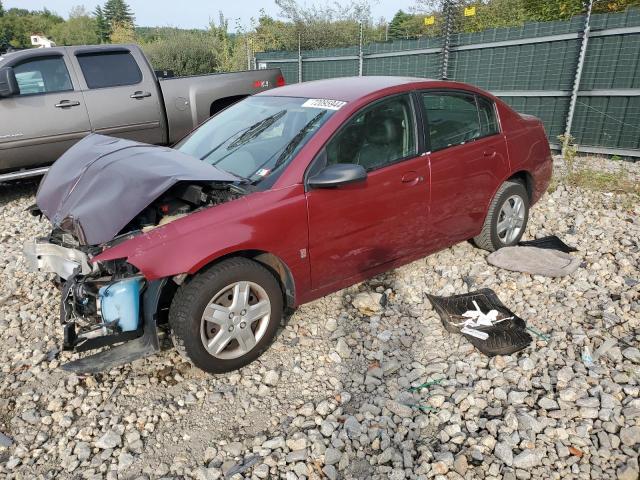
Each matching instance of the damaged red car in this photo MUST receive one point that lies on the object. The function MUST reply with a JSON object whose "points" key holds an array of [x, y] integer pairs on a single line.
{"points": [[276, 201]]}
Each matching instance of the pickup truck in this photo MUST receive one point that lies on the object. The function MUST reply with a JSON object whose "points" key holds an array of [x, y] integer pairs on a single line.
{"points": [[50, 98]]}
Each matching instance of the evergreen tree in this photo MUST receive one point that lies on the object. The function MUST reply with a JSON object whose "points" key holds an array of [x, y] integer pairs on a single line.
{"points": [[398, 25], [102, 26], [1, 9], [117, 12]]}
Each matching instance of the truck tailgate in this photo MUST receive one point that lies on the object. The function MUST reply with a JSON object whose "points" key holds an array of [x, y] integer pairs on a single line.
{"points": [[189, 101]]}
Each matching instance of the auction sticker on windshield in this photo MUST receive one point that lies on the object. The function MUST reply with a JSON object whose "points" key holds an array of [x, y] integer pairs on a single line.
{"points": [[324, 103]]}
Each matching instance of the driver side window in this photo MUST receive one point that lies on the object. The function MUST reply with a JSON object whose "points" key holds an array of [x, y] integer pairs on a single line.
{"points": [[42, 75], [379, 135]]}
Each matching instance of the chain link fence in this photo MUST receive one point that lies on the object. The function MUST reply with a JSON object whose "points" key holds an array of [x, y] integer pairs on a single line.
{"points": [[537, 68]]}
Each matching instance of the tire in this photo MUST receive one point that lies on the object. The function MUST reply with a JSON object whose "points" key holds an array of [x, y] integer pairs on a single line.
{"points": [[208, 290], [490, 238]]}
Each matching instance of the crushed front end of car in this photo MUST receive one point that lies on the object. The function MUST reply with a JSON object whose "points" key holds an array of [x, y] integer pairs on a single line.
{"points": [[107, 304], [102, 193]]}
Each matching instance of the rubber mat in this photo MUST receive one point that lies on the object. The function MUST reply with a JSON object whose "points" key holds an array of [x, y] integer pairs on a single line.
{"points": [[551, 242], [504, 338]]}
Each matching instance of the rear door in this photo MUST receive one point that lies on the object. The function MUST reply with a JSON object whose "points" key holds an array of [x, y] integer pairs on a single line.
{"points": [[46, 118], [121, 93], [360, 227], [468, 156]]}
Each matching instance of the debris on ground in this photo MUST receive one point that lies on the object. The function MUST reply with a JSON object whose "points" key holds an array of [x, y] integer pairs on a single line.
{"points": [[486, 322], [535, 261]]}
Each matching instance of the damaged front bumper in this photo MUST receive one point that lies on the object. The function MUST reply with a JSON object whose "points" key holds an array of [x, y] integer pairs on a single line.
{"points": [[101, 307], [44, 256]]}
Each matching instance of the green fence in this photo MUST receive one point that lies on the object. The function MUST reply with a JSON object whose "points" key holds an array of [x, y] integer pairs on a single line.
{"points": [[532, 68]]}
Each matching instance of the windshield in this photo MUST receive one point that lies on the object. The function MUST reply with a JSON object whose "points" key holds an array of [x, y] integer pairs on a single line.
{"points": [[256, 138]]}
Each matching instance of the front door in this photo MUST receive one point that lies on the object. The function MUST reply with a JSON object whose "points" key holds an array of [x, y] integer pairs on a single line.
{"points": [[468, 161], [122, 98], [46, 118], [357, 228]]}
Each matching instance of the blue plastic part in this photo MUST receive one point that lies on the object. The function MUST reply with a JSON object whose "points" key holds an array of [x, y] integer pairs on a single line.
{"points": [[120, 303]]}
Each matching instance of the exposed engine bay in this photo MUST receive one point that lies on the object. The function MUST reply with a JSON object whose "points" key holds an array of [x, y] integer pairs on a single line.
{"points": [[181, 200], [102, 301]]}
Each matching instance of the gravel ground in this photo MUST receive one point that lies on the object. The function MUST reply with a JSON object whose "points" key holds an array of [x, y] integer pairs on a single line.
{"points": [[332, 398]]}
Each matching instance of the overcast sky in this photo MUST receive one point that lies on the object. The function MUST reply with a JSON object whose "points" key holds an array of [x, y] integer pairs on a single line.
{"points": [[192, 13]]}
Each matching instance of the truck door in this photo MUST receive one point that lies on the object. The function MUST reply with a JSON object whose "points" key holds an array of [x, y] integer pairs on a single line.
{"points": [[46, 118], [121, 93]]}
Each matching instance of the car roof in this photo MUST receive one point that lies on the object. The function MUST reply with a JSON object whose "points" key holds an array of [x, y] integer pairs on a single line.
{"points": [[348, 88]]}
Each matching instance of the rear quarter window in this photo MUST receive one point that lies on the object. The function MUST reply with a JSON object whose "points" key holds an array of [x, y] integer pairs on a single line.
{"points": [[109, 69]]}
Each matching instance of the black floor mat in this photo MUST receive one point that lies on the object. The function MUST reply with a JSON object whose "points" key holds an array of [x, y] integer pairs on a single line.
{"points": [[551, 242], [505, 337]]}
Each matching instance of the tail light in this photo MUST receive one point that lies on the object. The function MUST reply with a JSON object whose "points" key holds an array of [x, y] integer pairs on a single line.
{"points": [[280, 81]]}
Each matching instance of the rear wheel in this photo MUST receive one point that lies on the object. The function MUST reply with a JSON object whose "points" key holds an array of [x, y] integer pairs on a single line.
{"points": [[226, 316], [506, 219]]}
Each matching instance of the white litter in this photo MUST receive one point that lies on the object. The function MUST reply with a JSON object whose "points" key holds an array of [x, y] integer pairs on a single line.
{"points": [[474, 333], [477, 318]]}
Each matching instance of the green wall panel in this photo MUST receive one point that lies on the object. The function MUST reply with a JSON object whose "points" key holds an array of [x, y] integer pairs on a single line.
{"points": [[612, 62]]}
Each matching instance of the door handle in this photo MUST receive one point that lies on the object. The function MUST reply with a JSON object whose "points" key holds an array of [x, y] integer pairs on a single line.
{"points": [[67, 103], [489, 153], [139, 94], [412, 178]]}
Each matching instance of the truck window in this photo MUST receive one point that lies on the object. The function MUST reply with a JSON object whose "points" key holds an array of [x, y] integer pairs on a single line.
{"points": [[109, 69], [42, 75]]}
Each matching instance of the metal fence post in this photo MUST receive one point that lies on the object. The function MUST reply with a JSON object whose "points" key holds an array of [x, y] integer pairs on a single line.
{"points": [[299, 58], [361, 51], [448, 11], [578, 77], [248, 54]]}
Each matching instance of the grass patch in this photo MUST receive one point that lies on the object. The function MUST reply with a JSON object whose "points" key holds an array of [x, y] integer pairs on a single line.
{"points": [[590, 179]]}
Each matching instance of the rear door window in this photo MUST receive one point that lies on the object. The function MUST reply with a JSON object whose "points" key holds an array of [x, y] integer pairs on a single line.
{"points": [[109, 69], [488, 119], [42, 75], [452, 118]]}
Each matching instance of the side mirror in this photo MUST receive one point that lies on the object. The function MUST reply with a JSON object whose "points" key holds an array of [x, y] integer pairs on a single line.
{"points": [[337, 175], [8, 83]]}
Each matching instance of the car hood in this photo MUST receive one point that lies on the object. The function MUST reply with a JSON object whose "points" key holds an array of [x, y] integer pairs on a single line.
{"points": [[101, 183]]}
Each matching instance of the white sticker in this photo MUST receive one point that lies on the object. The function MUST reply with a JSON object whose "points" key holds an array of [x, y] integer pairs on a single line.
{"points": [[263, 172], [324, 103]]}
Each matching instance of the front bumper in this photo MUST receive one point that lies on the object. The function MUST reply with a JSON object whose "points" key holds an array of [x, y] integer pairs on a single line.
{"points": [[41, 255], [99, 309]]}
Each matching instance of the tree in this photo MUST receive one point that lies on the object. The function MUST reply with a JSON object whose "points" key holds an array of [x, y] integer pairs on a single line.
{"points": [[102, 26], [398, 27], [79, 29], [1, 9], [123, 33], [117, 12]]}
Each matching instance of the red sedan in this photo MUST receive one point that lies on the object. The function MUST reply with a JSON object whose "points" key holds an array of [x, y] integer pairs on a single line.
{"points": [[278, 200]]}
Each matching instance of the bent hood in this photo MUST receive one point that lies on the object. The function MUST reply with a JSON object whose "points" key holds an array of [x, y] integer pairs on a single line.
{"points": [[101, 183]]}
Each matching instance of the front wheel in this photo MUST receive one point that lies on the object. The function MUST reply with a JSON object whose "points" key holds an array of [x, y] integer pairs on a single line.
{"points": [[506, 219], [227, 315]]}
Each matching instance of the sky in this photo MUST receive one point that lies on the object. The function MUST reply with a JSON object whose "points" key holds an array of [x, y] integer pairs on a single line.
{"points": [[193, 13]]}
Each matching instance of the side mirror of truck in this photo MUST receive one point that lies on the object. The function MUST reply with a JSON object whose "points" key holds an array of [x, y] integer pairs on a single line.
{"points": [[8, 83]]}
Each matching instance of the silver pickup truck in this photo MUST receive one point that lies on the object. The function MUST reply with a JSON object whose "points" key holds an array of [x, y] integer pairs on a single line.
{"points": [[52, 97]]}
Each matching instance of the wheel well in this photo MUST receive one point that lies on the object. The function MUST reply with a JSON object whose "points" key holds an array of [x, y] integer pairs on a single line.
{"points": [[526, 179], [270, 261], [222, 103]]}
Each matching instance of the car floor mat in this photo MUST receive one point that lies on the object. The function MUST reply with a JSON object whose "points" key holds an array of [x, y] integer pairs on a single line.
{"points": [[551, 242], [505, 337]]}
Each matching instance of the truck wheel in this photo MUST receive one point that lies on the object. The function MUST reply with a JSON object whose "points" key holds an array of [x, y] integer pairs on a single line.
{"points": [[227, 315], [506, 219]]}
